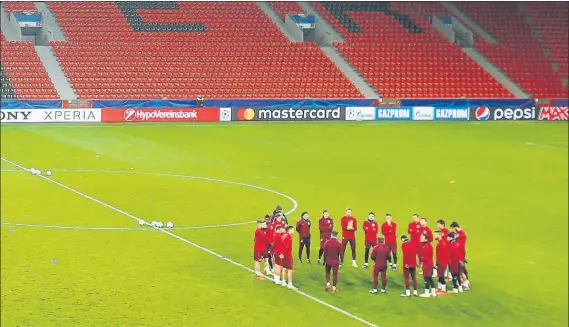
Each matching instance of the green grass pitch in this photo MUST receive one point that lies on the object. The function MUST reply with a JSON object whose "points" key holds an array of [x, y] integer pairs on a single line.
{"points": [[510, 196]]}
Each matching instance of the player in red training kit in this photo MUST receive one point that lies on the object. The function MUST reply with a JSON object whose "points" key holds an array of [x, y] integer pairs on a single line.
{"points": [[380, 254], [461, 235], [442, 228], [441, 225], [303, 229], [260, 248], [278, 250], [428, 266], [286, 256], [414, 230], [371, 229], [333, 252], [349, 228], [277, 221], [443, 257], [456, 261], [409, 249], [423, 229], [389, 231], [326, 225]]}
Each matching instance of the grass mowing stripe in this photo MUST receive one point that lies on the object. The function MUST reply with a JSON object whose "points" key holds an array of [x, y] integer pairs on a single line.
{"points": [[190, 243], [541, 145]]}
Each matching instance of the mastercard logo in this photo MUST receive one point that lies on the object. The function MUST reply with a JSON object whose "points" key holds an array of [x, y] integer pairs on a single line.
{"points": [[245, 114]]}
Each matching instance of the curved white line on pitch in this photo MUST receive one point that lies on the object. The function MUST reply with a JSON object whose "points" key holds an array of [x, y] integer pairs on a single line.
{"points": [[217, 180]]}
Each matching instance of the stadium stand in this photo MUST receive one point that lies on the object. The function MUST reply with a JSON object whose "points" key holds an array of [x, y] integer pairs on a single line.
{"points": [[18, 6], [518, 53], [24, 73], [283, 8], [7, 90], [402, 55], [130, 50], [550, 19]]}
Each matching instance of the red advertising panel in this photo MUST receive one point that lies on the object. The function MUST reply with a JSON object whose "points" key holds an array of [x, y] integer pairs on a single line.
{"points": [[172, 115], [553, 113]]}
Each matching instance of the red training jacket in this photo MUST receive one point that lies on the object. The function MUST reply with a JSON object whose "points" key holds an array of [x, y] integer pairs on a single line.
{"points": [[333, 252], [380, 255], [409, 250], [261, 240], [443, 252], [371, 229], [326, 226], [352, 223], [427, 253], [389, 232], [303, 228], [287, 241]]}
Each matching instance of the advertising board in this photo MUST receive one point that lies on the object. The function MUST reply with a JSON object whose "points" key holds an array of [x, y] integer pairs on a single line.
{"points": [[553, 113], [452, 114], [497, 113], [172, 115], [50, 116], [289, 114]]}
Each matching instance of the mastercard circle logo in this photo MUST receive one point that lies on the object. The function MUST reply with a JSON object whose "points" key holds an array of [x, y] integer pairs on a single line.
{"points": [[245, 114]]}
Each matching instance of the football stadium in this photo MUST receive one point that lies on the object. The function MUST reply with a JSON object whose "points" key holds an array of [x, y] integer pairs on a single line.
{"points": [[290, 163]]}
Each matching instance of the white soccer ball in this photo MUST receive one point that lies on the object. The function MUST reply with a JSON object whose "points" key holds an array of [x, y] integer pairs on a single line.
{"points": [[38, 172], [141, 222], [48, 173], [160, 224], [33, 171], [169, 224], [153, 223]]}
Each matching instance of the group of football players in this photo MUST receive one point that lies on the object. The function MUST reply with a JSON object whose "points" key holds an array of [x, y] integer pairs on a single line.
{"points": [[273, 247]]}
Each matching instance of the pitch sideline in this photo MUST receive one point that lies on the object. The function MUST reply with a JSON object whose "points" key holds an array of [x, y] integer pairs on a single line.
{"points": [[190, 243]]}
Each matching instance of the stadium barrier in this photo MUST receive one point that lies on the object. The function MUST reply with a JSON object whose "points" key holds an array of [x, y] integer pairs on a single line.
{"points": [[50, 115], [460, 112], [111, 115]]}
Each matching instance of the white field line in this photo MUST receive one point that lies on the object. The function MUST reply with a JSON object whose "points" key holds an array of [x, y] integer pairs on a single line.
{"points": [[549, 146], [192, 244], [217, 180], [122, 228]]}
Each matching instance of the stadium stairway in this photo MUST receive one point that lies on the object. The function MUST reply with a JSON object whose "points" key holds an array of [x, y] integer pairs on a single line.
{"points": [[549, 26], [274, 16], [55, 72], [470, 22], [518, 53], [57, 33], [7, 30], [338, 59], [309, 9]]}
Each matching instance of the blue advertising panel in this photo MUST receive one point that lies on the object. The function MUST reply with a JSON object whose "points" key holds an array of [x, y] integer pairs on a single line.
{"points": [[452, 113], [394, 113], [463, 103]]}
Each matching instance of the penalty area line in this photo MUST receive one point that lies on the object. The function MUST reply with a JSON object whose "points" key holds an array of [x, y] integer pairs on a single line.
{"points": [[235, 263]]}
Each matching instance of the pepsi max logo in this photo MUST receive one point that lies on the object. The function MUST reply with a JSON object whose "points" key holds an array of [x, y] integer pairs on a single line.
{"points": [[482, 113]]}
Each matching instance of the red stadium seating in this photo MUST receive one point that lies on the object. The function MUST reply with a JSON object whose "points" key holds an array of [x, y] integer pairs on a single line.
{"points": [[284, 8], [11, 6], [25, 71], [241, 55], [550, 19], [407, 61], [518, 54]]}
